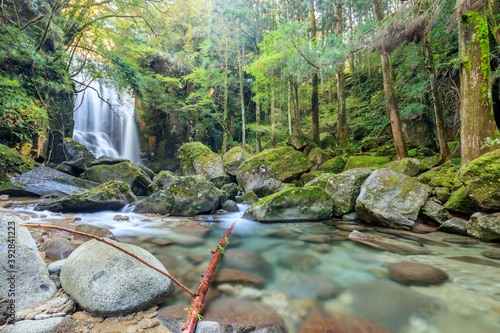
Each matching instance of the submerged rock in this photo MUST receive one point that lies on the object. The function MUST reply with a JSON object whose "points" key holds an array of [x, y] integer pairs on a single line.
{"points": [[58, 248], [387, 244], [413, 273], [485, 227], [233, 159], [310, 286], [320, 322], [295, 204]]}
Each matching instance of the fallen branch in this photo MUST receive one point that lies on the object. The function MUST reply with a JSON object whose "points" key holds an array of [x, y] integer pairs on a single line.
{"points": [[194, 312]]}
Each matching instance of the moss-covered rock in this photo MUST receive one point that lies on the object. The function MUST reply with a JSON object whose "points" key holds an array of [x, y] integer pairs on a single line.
{"points": [[334, 165], [78, 156], [295, 204], [198, 159], [299, 142], [460, 202], [327, 140], [112, 195], [442, 176], [286, 186], [233, 159], [485, 227], [231, 189], [161, 181], [248, 198], [408, 166], [127, 172], [435, 211], [308, 176], [321, 180], [263, 173], [14, 163], [391, 199], [318, 156], [365, 162], [481, 178]]}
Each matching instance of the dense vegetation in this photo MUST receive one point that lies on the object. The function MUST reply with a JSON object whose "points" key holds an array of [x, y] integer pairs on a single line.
{"points": [[381, 76]]}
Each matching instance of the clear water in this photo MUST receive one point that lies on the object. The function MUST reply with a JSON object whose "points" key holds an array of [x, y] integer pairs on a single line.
{"points": [[300, 275]]}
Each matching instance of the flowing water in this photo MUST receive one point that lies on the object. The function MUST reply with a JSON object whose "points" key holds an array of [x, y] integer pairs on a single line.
{"points": [[338, 275]]}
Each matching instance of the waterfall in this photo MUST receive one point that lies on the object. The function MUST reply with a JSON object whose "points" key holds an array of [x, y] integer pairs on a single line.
{"points": [[106, 125]]}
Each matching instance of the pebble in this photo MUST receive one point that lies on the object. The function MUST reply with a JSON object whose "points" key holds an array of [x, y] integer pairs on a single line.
{"points": [[85, 317]]}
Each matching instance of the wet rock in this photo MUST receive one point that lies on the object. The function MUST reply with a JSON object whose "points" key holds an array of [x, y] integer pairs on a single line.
{"points": [[120, 217], [105, 281], [58, 248], [454, 225], [461, 240], [233, 159], [105, 160], [32, 280], [248, 261], [59, 325], [408, 166], [321, 180], [350, 217], [476, 261], [193, 229], [387, 244], [161, 181], [248, 198], [491, 254], [93, 230], [231, 190], [316, 239], [435, 211], [298, 261], [310, 286], [320, 322], [391, 199], [484, 226], [230, 206], [350, 227], [56, 266], [411, 236], [233, 276], [75, 151], [283, 233], [412, 273], [321, 248]]}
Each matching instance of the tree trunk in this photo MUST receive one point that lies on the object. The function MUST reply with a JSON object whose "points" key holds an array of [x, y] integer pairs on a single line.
{"points": [[298, 125], [242, 96], [273, 115], [314, 95], [342, 114], [257, 119], [289, 110], [224, 117]]}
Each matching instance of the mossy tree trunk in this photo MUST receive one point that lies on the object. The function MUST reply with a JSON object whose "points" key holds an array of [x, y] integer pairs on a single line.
{"points": [[241, 58], [342, 114], [314, 95]]}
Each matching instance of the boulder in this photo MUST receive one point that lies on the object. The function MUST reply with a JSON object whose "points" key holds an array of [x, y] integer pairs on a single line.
{"points": [[50, 325], [442, 194], [310, 286], [58, 248], [286, 186], [318, 156], [230, 206], [345, 187], [263, 173], [435, 211], [231, 190], [45, 182], [113, 195], [75, 151], [320, 322], [299, 142], [408, 166], [484, 226], [32, 282], [198, 159], [14, 163], [4, 309], [248, 198], [105, 160], [56, 266], [161, 181], [106, 282], [186, 196], [391, 199], [233, 159], [365, 162], [413, 273], [454, 225], [307, 177], [127, 172], [321, 180], [481, 178], [295, 204], [460, 202], [387, 244], [334, 165], [327, 140]]}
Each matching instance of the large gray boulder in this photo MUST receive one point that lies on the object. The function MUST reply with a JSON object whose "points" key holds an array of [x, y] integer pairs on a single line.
{"points": [[161, 181], [43, 181], [50, 325], [105, 281], [27, 274], [484, 226], [78, 157], [391, 199], [294, 204], [345, 187], [233, 159]]}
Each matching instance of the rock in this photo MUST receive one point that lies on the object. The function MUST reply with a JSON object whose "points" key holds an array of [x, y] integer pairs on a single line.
{"points": [[442, 193], [350, 217], [320, 322], [186, 196], [113, 195], [286, 186], [231, 190], [315, 239], [485, 227], [350, 227], [408, 166], [435, 211], [248, 198], [45, 182], [58, 305], [105, 160], [365, 162], [299, 142], [412, 273], [491, 254], [32, 280], [320, 180], [14, 163], [327, 140], [442, 176], [481, 178], [161, 181], [310, 286], [476, 261], [198, 159], [233, 276], [344, 189], [59, 325], [105, 281], [461, 240], [77, 152], [263, 173], [454, 225], [318, 156], [4, 309], [295, 204], [58, 248], [119, 217], [334, 165], [308, 176], [56, 266], [147, 170], [93, 230], [460, 202], [230, 206], [233, 159], [127, 172], [387, 244], [298, 261], [391, 199], [247, 261]]}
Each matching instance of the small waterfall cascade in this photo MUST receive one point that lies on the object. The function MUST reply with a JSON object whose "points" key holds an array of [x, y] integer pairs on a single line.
{"points": [[104, 122]]}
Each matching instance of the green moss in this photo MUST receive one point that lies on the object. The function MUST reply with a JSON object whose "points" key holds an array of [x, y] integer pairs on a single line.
{"points": [[460, 202], [366, 161], [334, 165], [15, 163], [248, 198]]}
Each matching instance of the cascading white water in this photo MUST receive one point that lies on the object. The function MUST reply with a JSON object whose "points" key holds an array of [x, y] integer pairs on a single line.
{"points": [[106, 125]]}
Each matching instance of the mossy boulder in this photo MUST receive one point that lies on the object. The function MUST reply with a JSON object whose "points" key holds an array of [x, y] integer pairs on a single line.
{"points": [[435, 211], [299, 142], [365, 162], [248, 198], [294, 204], [233, 159], [391, 199], [198, 159], [308, 176], [408, 166], [263, 173], [327, 140], [112, 195], [286, 186], [13, 163], [334, 165], [185, 196], [318, 156], [78, 157], [442, 176], [344, 189], [460, 202], [481, 178], [484, 226], [161, 181], [127, 172], [231, 189], [321, 180]]}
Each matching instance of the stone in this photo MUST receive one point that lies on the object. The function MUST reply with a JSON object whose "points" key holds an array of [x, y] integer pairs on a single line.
{"points": [[263, 173], [56, 266], [334, 165], [105, 160], [365, 162], [233, 276], [307, 177], [443, 193], [327, 140], [4, 309], [51, 325], [113, 195], [161, 181], [58, 248], [391, 199], [455, 225], [286, 186], [387, 244], [413, 273], [435, 211], [460, 202], [230, 206], [461, 240], [408, 166], [233, 159], [310, 286], [17, 163], [128, 172], [484, 226], [58, 305], [350, 227], [247, 261], [350, 217], [231, 190], [32, 280], [248, 198], [318, 156], [75, 151], [298, 261], [295, 204], [491, 254], [299, 142], [344, 188], [93, 230], [320, 322], [476, 261], [315, 239], [45, 182], [320, 180], [105, 281]]}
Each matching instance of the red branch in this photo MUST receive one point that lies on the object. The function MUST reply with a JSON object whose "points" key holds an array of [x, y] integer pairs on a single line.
{"points": [[194, 311], [100, 239]]}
